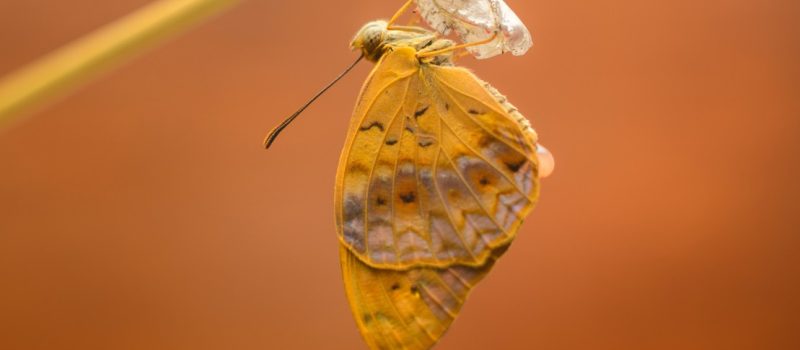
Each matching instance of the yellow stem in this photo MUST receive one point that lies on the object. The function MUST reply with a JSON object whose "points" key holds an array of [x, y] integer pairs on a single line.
{"points": [[75, 62]]}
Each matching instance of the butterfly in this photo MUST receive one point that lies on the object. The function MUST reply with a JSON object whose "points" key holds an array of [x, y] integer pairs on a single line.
{"points": [[437, 173]]}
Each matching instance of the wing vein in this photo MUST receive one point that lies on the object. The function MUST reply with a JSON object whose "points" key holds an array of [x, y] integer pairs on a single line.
{"points": [[495, 167], [444, 204], [459, 278], [352, 258], [450, 291], [479, 124], [425, 220], [400, 316], [394, 185], [396, 311], [349, 147], [372, 171], [475, 195], [437, 301]]}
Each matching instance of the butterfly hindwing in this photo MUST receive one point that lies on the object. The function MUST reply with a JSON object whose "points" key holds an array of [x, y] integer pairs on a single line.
{"points": [[409, 309]]}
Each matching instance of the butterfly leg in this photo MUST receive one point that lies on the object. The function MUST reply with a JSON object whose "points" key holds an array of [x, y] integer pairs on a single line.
{"points": [[398, 14], [441, 47], [410, 29], [430, 53], [460, 55]]}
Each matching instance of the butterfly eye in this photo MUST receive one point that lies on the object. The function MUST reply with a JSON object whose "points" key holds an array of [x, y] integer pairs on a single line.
{"points": [[369, 39]]}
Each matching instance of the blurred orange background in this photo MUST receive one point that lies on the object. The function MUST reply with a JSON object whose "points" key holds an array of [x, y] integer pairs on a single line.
{"points": [[142, 212]]}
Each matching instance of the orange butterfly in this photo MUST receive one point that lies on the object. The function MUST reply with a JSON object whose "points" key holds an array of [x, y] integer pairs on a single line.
{"points": [[436, 175]]}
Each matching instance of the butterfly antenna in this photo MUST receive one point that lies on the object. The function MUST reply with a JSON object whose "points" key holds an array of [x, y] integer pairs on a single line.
{"points": [[277, 130]]}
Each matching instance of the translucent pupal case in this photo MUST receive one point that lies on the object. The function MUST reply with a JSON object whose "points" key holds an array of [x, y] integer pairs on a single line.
{"points": [[478, 20]]}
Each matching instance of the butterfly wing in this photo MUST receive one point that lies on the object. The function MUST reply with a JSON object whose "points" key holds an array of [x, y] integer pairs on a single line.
{"points": [[408, 309], [435, 169], [436, 176]]}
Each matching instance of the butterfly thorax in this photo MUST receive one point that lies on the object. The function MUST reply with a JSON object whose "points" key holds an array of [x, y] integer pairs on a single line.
{"points": [[374, 39]]}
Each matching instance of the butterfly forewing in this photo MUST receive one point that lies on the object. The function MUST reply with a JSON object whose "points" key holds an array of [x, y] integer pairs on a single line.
{"points": [[435, 171]]}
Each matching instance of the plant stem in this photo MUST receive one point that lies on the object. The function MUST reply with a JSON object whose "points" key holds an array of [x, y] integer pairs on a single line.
{"points": [[85, 57]]}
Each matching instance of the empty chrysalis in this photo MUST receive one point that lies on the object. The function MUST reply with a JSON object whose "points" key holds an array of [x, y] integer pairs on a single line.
{"points": [[478, 20]]}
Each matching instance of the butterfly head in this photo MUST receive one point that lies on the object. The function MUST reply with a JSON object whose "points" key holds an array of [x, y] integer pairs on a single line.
{"points": [[370, 40], [374, 39]]}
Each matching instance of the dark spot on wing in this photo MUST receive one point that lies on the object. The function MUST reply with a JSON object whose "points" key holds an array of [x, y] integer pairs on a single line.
{"points": [[446, 106], [380, 201], [358, 168], [414, 290], [453, 195], [474, 112], [408, 197], [367, 318], [425, 143], [515, 166], [409, 129], [420, 112], [374, 124], [483, 181], [390, 142], [395, 286], [484, 141]]}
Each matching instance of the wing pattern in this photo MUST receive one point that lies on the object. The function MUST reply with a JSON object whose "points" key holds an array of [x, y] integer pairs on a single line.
{"points": [[435, 171], [407, 309]]}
